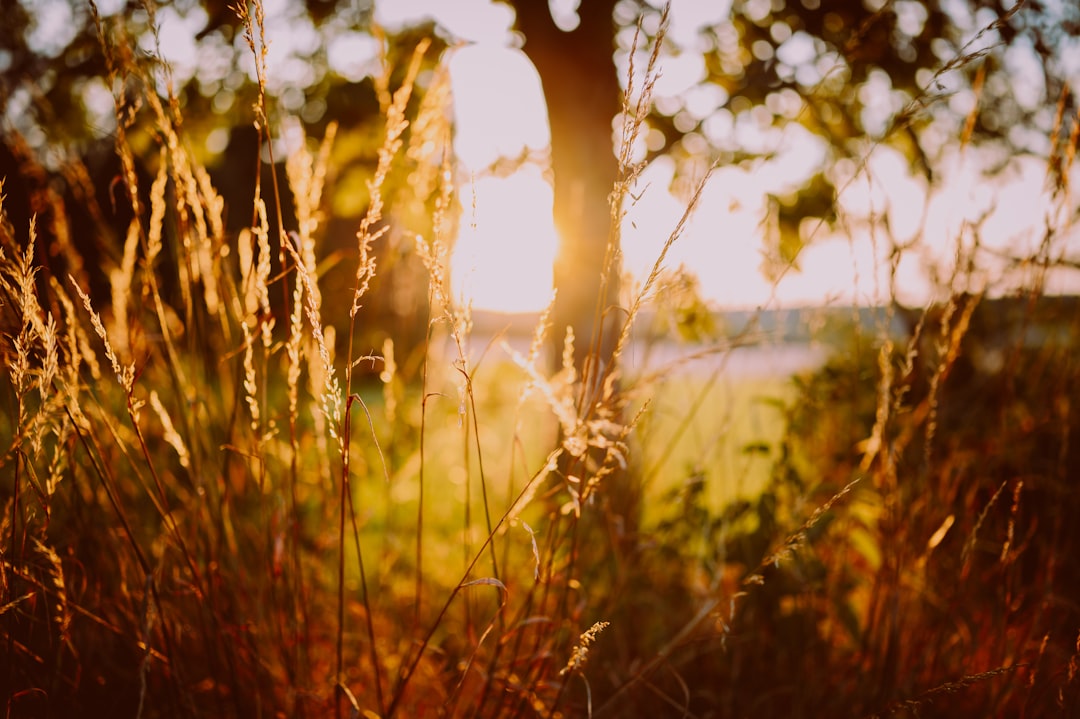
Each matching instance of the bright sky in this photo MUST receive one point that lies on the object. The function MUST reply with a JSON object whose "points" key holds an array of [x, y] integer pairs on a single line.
{"points": [[504, 254]]}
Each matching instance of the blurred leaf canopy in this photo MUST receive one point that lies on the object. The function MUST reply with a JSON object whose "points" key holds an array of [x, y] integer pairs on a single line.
{"points": [[746, 81]]}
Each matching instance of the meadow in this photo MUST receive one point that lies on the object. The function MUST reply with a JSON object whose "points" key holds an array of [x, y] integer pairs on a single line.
{"points": [[228, 492]]}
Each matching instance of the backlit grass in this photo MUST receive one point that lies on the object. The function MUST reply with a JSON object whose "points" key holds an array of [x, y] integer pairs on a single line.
{"points": [[228, 490]]}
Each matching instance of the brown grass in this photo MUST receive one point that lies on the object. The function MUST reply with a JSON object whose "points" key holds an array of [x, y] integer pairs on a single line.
{"points": [[206, 532]]}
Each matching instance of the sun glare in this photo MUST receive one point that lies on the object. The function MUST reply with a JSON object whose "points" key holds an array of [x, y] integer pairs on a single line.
{"points": [[506, 247]]}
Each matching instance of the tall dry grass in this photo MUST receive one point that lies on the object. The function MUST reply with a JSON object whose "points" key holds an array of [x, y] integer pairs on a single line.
{"points": [[209, 512]]}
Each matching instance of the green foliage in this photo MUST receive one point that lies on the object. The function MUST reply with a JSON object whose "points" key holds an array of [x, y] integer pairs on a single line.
{"points": [[922, 574], [812, 203]]}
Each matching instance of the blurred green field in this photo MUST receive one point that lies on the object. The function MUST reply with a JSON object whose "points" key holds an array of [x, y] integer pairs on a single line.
{"points": [[721, 430]]}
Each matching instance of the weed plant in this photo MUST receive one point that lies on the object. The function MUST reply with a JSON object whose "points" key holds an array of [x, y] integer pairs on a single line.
{"points": [[218, 502]]}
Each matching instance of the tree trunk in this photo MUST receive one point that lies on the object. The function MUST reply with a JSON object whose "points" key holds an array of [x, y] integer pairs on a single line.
{"points": [[581, 87]]}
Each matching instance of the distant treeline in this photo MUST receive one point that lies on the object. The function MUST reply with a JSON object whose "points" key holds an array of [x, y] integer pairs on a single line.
{"points": [[995, 317]]}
